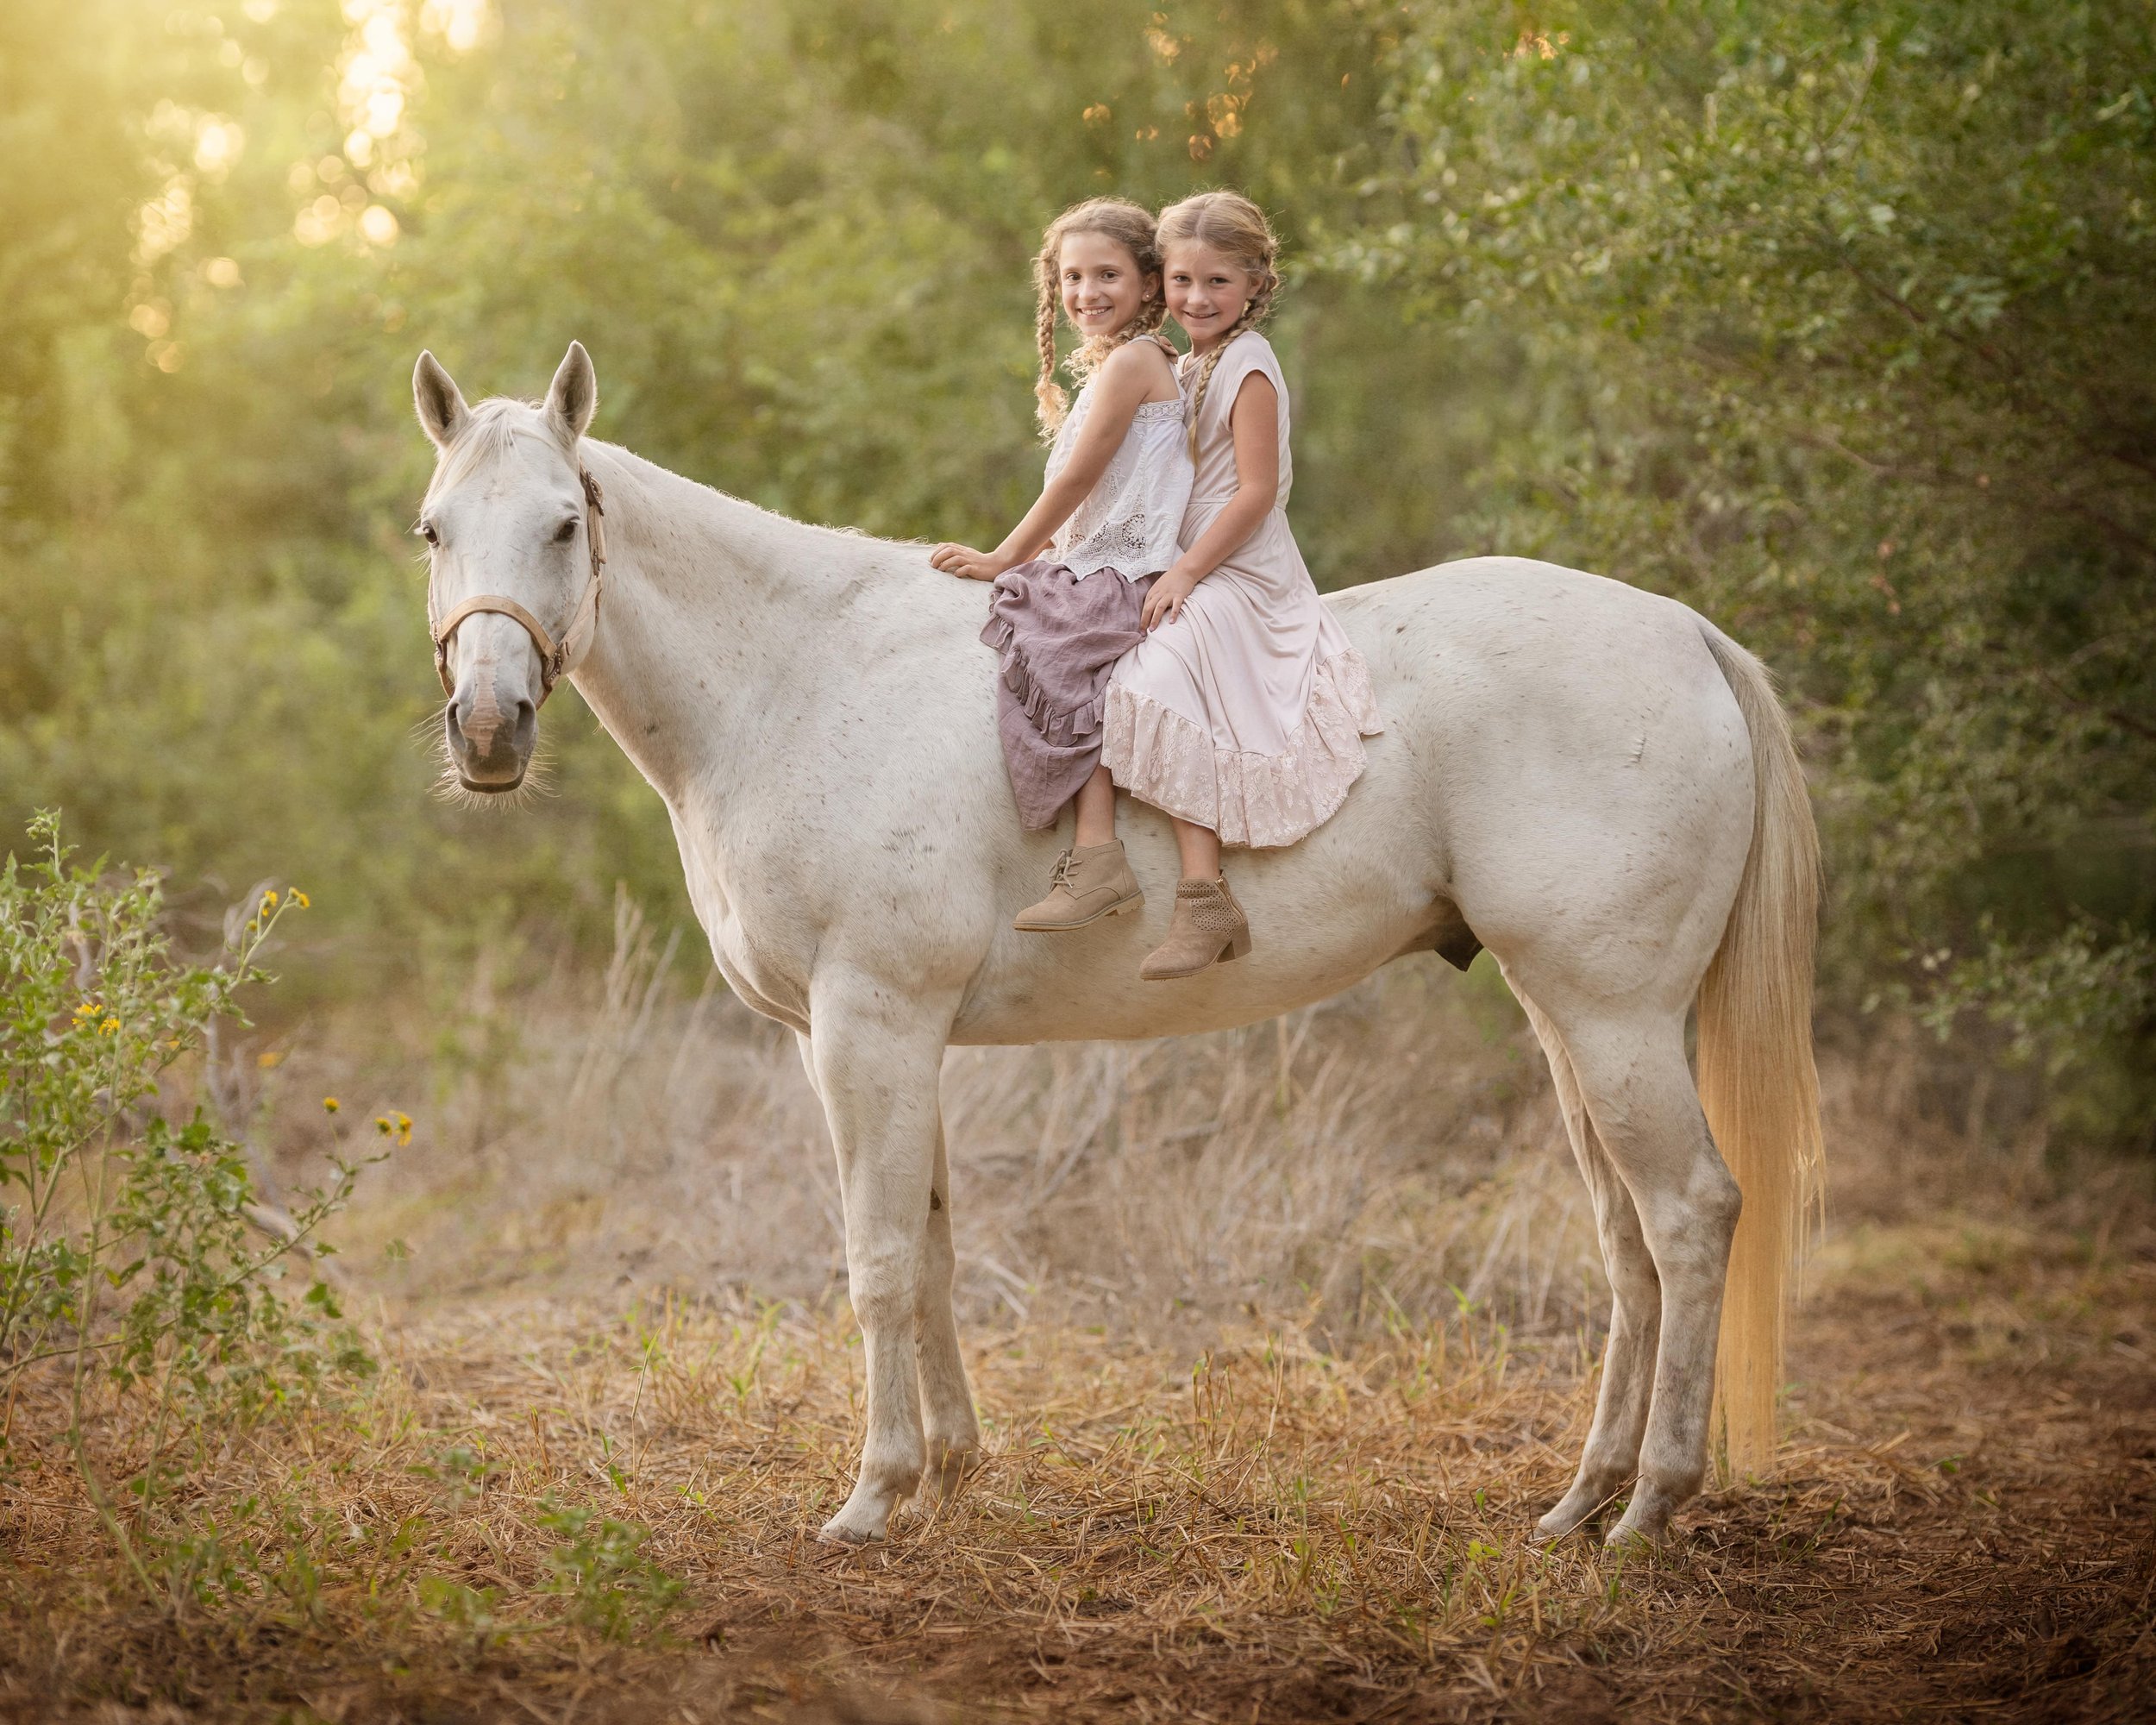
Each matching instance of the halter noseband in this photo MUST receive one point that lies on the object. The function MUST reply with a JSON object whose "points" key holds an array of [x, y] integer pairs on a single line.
{"points": [[556, 658]]}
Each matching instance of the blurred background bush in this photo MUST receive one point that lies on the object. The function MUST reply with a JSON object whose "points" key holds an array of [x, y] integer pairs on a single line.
{"points": [[1826, 319]]}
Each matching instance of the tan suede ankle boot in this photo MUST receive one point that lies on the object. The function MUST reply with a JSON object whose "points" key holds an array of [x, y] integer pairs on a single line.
{"points": [[1209, 927], [1090, 882]]}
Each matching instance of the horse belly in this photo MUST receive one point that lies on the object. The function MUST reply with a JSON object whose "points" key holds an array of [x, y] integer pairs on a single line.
{"points": [[1324, 914], [1085, 1003]]}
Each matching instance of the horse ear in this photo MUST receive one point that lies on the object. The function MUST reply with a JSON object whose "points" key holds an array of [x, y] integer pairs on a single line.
{"points": [[573, 396], [440, 404]]}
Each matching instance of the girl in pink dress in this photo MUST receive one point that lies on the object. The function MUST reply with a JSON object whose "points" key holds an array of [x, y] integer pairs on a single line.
{"points": [[1241, 713]]}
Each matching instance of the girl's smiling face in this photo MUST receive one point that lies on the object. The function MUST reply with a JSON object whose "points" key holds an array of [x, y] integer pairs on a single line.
{"points": [[1103, 287], [1207, 290]]}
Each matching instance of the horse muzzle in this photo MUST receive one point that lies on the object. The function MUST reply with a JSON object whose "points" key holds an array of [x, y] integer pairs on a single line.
{"points": [[490, 737]]}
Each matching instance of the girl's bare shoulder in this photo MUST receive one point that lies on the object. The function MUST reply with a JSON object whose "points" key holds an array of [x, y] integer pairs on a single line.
{"points": [[1142, 364]]}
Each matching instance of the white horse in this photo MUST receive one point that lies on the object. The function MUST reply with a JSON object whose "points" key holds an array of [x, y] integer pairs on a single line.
{"points": [[1592, 781]]}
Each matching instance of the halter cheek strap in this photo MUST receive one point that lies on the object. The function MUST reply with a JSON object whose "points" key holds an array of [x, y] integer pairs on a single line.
{"points": [[556, 658]]}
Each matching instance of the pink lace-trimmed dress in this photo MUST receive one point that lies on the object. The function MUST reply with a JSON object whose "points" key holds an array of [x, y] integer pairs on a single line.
{"points": [[1247, 713]]}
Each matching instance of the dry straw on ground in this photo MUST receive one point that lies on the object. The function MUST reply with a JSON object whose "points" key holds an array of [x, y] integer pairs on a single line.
{"points": [[1280, 1339]]}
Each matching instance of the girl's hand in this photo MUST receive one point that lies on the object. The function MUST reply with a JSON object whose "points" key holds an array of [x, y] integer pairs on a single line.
{"points": [[967, 563], [1164, 598]]}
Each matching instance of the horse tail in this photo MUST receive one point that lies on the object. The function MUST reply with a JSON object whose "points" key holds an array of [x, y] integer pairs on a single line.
{"points": [[1757, 1080]]}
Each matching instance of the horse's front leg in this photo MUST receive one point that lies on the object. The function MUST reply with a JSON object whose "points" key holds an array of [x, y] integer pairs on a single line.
{"points": [[954, 1431], [877, 1052]]}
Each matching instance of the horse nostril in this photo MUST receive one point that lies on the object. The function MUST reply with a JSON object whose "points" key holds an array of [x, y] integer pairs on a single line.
{"points": [[488, 739]]}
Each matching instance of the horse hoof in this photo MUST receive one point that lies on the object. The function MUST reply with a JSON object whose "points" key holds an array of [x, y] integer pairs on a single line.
{"points": [[839, 1533], [1572, 1512], [1551, 1528], [1636, 1538], [951, 1471]]}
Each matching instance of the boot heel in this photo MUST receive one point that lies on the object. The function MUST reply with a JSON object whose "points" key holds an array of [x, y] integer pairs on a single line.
{"points": [[1237, 947]]}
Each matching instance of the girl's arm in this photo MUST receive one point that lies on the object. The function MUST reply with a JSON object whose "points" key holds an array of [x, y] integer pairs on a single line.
{"points": [[1254, 421], [1126, 381]]}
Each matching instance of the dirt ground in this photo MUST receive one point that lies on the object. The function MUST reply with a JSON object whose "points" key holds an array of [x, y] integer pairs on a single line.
{"points": [[1281, 1338], [1964, 1526]]}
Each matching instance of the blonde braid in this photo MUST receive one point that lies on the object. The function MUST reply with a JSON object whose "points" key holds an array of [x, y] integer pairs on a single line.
{"points": [[1233, 225], [1249, 320], [1053, 404], [1130, 227]]}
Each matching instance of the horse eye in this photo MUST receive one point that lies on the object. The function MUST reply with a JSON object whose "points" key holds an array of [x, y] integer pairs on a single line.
{"points": [[427, 532], [566, 532]]}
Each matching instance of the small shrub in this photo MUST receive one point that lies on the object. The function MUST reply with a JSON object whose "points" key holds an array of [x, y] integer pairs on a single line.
{"points": [[132, 1252], [600, 1566]]}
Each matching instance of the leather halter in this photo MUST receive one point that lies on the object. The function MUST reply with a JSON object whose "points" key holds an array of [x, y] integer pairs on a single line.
{"points": [[556, 658]]}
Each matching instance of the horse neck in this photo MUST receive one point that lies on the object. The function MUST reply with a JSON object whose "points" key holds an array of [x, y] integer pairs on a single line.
{"points": [[710, 603]]}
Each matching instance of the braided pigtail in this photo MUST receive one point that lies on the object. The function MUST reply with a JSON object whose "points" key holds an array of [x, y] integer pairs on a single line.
{"points": [[1053, 404], [1208, 364], [1231, 224], [1130, 227]]}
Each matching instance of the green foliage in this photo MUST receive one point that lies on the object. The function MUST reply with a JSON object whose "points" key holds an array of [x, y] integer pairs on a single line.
{"points": [[132, 1252], [1846, 300], [601, 1568], [122, 1235], [1822, 314], [202, 1306], [795, 238], [475, 1612], [2078, 991]]}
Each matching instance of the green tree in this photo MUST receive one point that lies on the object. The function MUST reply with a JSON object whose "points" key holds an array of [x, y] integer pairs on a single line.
{"points": [[1845, 299]]}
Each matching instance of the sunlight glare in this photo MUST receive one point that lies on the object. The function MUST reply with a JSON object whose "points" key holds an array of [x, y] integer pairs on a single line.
{"points": [[459, 23], [218, 142]]}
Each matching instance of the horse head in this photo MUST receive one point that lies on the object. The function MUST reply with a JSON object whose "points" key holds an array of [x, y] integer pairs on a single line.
{"points": [[513, 524]]}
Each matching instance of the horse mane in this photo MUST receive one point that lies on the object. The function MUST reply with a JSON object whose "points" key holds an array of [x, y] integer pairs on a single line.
{"points": [[492, 425], [651, 476]]}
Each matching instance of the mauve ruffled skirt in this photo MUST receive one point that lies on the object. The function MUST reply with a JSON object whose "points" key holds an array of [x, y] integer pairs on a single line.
{"points": [[1056, 639]]}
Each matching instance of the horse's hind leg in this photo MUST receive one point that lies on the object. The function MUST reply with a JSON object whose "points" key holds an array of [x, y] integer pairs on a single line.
{"points": [[953, 1432], [1611, 1457], [1639, 1098]]}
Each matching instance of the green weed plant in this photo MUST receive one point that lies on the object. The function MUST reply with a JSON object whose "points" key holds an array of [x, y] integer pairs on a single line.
{"points": [[133, 1253]]}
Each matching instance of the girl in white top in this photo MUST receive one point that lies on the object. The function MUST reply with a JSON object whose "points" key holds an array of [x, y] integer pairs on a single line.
{"points": [[1241, 714], [1072, 577]]}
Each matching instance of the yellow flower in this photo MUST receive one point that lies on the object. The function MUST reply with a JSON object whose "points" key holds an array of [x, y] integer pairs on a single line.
{"points": [[404, 1123], [268, 1058], [269, 899], [109, 1027], [330, 1104], [301, 899], [382, 1125]]}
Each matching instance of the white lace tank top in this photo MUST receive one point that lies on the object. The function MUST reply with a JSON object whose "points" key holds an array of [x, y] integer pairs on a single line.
{"points": [[1129, 521]]}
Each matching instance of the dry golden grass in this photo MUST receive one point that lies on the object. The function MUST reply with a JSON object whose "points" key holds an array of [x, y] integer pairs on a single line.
{"points": [[1250, 1454], [1373, 1160]]}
